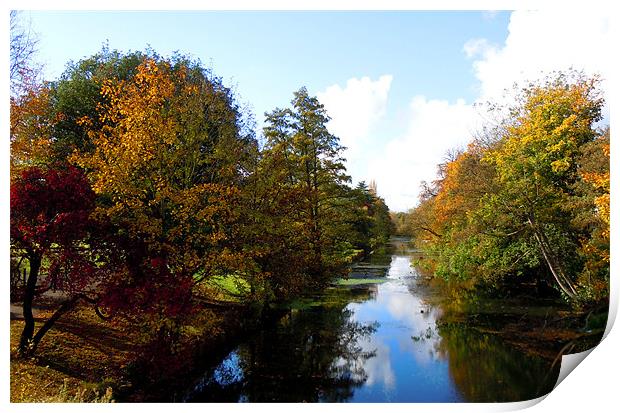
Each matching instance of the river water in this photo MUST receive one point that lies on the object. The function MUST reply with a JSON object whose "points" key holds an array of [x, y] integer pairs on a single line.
{"points": [[374, 342]]}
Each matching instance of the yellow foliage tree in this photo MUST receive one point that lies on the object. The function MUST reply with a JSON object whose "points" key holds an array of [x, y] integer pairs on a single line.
{"points": [[31, 129], [160, 169]]}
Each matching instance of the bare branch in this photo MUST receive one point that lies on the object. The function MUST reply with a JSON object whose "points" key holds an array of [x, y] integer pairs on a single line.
{"points": [[23, 47]]}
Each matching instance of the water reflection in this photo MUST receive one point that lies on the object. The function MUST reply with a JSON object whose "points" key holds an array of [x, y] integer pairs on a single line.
{"points": [[376, 343], [405, 369], [313, 355], [484, 370]]}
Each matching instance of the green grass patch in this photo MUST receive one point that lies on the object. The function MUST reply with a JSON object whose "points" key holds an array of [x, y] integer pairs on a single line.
{"points": [[232, 284]]}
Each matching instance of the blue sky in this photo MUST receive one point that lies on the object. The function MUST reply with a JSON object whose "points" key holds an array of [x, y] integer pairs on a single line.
{"points": [[268, 55], [398, 85]]}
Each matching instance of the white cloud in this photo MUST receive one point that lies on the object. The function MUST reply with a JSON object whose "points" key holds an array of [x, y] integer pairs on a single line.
{"points": [[435, 126], [540, 42], [354, 109], [475, 47], [378, 368]]}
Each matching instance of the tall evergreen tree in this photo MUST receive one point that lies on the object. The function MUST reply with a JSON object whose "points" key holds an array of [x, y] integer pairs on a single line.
{"points": [[308, 160]]}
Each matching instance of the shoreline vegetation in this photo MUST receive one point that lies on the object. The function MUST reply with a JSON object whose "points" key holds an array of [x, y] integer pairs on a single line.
{"points": [[526, 204], [151, 227], [85, 359]]}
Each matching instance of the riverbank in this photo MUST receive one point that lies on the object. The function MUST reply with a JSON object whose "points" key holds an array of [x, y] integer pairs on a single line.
{"points": [[396, 339], [79, 359]]}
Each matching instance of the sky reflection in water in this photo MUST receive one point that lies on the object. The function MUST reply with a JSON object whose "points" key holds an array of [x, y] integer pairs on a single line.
{"points": [[404, 369], [376, 343]]}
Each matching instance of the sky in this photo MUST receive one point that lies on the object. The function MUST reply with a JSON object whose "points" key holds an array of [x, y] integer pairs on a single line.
{"points": [[401, 87]]}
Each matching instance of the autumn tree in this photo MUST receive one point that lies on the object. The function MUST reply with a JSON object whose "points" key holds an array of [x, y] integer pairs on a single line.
{"points": [[536, 166], [589, 206], [32, 117], [273, 229], [31, 127], [77, 95], [524, 204], [52, 229], [167, 162], [31, 123]]}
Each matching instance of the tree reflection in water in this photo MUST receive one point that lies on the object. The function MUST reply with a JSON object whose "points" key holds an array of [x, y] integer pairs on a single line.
{"points": [[382, 342], [312, 355], [486, 370]]}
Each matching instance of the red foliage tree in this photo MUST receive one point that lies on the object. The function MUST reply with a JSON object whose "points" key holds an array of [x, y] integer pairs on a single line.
{"points": [[68, 250], [51, 227]]}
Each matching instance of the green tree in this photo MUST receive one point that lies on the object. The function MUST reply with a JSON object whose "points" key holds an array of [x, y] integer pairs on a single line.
{"points": [[304, 166], [77, 95], [361, 217], [528, 201]]}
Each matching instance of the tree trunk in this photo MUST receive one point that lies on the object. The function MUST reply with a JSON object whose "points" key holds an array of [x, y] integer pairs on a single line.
{"points": [[552, 261], [64, 307], [29, 341], [428, 230], [25, 340]]}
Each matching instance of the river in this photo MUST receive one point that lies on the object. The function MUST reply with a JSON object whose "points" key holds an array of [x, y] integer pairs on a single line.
{"points": [[377, 339]]}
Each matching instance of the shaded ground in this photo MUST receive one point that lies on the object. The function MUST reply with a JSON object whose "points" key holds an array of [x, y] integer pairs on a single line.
{"points": [[77, 360], [86, 359]]}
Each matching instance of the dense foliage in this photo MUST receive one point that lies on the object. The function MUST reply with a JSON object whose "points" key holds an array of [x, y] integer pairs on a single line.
{"points": [[529, 201], [310, 223], [190, 210]]}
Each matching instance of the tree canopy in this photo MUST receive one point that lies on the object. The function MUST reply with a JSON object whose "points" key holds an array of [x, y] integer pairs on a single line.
{"points": [[515, 205], [187, 199]]}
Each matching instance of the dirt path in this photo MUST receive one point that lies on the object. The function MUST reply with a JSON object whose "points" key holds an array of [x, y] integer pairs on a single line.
{"points": [[45, 303]]}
